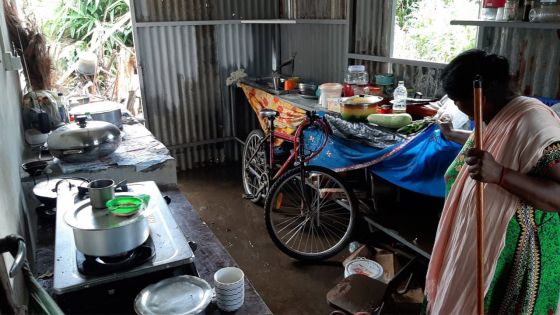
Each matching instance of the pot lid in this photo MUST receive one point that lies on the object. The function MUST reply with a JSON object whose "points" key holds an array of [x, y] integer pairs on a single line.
{"points": [[95, 108], [47, 188], [84, 217], [82, 134], [176, 295]]}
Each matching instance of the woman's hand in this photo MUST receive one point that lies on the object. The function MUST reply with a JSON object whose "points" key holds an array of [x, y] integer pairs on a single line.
{"points": [[483, 167], [446, 125]]}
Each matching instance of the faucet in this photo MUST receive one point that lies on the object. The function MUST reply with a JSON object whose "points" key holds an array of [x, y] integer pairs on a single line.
{"points": [[290, 62]]}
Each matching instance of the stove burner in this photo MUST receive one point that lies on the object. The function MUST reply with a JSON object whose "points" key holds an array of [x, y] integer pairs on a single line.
{"points": [[98, 266], [46, 213]]}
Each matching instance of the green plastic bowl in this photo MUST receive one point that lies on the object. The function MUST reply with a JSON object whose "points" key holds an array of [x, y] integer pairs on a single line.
{"points": [[125, 206]]}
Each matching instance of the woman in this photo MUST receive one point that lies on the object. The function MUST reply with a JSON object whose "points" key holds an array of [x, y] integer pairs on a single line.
{"points": [[520, 169]]}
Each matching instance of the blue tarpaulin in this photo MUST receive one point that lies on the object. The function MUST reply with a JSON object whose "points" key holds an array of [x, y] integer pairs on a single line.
{"points": [[417, 164]]}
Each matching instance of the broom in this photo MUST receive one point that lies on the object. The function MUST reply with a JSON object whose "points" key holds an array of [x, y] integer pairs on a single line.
{"points": [[477, 84]]}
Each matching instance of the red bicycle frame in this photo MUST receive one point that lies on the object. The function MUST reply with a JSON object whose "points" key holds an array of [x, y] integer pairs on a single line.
{"points": [[298, 141]]}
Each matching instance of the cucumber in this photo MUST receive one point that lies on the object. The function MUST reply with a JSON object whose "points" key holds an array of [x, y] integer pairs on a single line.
{"points": [[393, 121]]}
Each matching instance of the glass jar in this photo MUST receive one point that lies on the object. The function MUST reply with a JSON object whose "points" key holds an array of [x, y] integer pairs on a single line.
{"points": [[357, 78]]}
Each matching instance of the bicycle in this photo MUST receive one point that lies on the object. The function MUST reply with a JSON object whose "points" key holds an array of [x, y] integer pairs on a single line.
{"points": [[309, 211]]}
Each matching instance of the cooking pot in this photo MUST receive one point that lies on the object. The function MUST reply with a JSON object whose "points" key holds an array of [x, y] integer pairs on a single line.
{"points": [[84, 141], [46, 191], [97, 232], [101, 111], [359, 107]]}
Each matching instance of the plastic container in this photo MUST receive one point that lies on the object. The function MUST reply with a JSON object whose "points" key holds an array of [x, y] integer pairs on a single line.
{"points": [[364, 267], [357, 79], [399, 95], [550, 13], [330, 93]]}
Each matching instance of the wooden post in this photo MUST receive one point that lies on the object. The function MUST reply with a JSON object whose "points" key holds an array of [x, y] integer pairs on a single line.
{"points": [[477, 84]]}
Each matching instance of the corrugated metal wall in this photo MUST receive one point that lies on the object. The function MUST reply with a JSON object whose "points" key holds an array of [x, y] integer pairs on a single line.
{"points": [[534, 56], [184, 67], [320, 50], [204, 10], [184, 70]]}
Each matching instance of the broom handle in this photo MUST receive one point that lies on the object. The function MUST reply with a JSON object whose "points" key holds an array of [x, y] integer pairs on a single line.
{"points": [[479, 200]]}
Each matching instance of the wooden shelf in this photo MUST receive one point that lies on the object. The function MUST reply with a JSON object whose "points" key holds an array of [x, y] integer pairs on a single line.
{"points": [[508, 24]]}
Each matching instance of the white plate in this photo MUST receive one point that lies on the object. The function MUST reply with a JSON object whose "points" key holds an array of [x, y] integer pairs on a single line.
{"points": [[173, 296]]}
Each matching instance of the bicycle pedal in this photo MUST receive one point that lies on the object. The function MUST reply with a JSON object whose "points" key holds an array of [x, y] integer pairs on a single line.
{"points": [[247, 196]]}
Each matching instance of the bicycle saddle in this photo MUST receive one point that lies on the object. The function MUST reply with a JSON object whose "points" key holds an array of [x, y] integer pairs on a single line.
{"points": [[268, 113]]}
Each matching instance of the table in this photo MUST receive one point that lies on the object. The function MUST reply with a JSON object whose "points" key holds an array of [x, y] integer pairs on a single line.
{"points": [[140, 157], [209, 257]]}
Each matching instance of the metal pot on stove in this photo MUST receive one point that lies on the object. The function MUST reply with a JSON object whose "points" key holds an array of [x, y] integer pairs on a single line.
{"points": [[97, 232], [84, 141]]}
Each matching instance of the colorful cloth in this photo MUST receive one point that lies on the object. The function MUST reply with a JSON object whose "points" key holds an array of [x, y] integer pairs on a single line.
{"points": [[515, 275], [290, 116]]}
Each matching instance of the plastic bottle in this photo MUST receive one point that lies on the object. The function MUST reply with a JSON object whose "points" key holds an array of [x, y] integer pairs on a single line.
{"points": [[399, 98], [62, 107]]}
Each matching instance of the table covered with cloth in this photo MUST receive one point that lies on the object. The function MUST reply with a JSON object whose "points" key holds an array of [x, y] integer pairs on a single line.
{"points": [[417, 163]]}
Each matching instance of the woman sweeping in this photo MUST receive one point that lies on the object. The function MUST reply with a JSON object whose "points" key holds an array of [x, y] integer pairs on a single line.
{"points": [[519, 165]]}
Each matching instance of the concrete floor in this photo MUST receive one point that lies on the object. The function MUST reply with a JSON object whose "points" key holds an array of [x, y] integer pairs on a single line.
{"points": [[287, 286]]}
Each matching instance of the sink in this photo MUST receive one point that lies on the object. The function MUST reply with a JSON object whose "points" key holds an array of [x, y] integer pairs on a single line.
{"points": [[266, 84]]}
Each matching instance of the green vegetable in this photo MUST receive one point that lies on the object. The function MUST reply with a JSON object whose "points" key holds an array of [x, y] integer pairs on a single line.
{"points": [[394, 121], [416, 126]]}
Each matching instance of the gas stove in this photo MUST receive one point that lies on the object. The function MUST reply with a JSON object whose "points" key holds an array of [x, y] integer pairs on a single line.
{"points": [[107, 284]]}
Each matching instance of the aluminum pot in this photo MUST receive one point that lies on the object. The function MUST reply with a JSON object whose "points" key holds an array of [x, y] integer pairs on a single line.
{"points": [[97, 232], [84, 141], [101, 111]]}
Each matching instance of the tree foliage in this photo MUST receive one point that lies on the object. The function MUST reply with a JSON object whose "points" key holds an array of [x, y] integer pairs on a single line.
{"points": [[423, 30]]}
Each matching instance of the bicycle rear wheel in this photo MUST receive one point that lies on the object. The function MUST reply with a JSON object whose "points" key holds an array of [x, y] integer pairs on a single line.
{"points": [[254, 173], [311, 218]]}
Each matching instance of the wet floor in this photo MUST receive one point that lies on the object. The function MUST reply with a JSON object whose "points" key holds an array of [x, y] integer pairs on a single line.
{"points": [[287, 287]]}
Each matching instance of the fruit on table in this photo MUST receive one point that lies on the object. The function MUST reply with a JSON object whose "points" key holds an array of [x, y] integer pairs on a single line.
{"points": [[393, 121]]}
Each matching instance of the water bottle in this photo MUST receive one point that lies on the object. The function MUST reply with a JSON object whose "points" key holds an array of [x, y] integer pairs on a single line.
{"points": [[399, 98]]}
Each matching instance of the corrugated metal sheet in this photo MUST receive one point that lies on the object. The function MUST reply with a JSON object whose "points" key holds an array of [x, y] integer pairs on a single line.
{"points": [[203, 10], [313, 9], [320, 48], [372, 27], [534, 56], [184, 70]]}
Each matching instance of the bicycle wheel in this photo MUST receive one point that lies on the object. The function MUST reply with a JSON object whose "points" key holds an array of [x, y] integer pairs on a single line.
{"points": [[310, 219], [254, 173]]}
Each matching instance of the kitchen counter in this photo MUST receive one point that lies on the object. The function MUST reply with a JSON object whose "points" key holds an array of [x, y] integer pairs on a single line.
{"points": [[140, 157], [209, 256], [291, 97]]}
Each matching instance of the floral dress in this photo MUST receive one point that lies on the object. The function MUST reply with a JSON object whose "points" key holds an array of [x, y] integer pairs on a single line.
{"points": [[527, 276]]}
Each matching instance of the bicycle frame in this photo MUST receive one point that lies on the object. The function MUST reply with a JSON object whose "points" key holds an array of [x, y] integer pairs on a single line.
{"points": [[297, 155]]}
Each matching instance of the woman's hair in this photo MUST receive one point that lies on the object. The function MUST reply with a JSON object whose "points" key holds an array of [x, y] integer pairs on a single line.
{"points": [[459, 74]]}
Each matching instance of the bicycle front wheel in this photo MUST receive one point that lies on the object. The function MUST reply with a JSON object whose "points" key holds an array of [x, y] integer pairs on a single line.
{"points": [[310, 218]]}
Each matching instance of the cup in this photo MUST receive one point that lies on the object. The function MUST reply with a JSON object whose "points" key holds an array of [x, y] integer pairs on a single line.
{"points": [[101, 191], [229, 284]]}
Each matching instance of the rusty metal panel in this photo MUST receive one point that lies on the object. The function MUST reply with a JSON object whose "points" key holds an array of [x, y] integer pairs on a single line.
{"points": [[534, 56], [204, 10], [320, 48]]}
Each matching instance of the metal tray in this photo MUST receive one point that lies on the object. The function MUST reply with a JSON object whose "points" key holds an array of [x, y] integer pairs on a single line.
{"points": [[177, 295]]}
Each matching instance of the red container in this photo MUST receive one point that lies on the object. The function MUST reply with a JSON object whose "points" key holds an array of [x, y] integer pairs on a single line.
{"points": [[494, 3]]}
